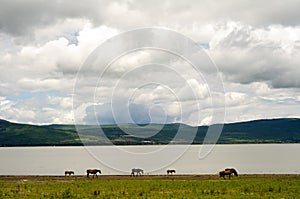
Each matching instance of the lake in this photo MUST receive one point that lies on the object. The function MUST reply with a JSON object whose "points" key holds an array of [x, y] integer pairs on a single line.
{"points": [[154, 159]]}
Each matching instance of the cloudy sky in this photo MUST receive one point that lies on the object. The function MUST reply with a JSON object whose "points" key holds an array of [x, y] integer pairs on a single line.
{"points": [[255, 46]]}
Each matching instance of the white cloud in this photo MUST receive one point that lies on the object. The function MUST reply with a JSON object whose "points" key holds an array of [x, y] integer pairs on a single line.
{"points": [[206, 121], [53, 64], [246, 54], [256, 47], [39, 109], [193, 90], [235, 98]]}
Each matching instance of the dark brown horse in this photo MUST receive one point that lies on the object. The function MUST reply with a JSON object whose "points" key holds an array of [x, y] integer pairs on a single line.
{"points": [[228, 172], [93, 171], [69, 173], [171, 171]]}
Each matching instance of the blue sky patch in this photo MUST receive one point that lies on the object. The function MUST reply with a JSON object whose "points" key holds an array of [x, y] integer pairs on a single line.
{"points": [[204, 45], [28, 95]]}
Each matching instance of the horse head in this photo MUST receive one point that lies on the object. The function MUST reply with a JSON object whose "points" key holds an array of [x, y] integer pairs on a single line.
{"points": [[222, 173], [234, 172]]}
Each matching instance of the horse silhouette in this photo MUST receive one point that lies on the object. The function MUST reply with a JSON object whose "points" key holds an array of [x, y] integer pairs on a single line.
{"points": [[93, 171], [171, 171], [69, 173], [137, 172], [228, 172]]}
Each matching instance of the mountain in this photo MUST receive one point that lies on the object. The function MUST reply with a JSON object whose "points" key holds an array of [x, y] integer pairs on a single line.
{"points": [[257, 131], [13, 134]]}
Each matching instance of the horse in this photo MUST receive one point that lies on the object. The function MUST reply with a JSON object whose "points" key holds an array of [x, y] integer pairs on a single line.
{"points": [[171, 171], [93, 171], [69, 173], [228, 172], [137, 171]]}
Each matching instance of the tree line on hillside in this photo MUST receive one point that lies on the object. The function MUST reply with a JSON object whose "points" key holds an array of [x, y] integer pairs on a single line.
{"points": [[258, 131]]}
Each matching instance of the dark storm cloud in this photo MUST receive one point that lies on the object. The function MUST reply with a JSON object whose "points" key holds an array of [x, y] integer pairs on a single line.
{"points": [[22, 17]]}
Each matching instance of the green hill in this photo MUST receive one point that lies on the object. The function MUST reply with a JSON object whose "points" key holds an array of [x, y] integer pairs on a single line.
{"points": [[258, 131], [12, 134]]}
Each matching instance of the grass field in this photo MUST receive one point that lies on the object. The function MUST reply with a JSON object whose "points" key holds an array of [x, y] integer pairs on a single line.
{"points": [[177, 186]]}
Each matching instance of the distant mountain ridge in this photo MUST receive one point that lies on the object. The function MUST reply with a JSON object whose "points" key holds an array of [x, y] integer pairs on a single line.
{"points": [[285, 130]]}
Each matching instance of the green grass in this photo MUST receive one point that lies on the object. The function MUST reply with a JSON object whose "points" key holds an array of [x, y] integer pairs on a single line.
{"points": [[244, 186]]}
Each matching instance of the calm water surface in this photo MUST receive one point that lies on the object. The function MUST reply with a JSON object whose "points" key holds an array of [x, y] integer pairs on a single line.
{"points": [[246, 158]]}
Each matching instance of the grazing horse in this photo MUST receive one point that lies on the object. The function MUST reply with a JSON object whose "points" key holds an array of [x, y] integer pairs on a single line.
{"points": [[171, 171], [93, 171], [69, 173], [137, 171], [228, 172]]}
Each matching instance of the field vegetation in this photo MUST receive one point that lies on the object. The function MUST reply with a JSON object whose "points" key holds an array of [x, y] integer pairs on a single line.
{"points": [[176, 186]]}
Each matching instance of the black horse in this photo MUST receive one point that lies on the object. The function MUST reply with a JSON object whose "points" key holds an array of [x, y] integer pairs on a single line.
{"points": [[69, 173], [171, 171], [93, 171], [228, 172]]}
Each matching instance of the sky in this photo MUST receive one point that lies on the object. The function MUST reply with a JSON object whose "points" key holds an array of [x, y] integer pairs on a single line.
{"points": [[254, 46]]}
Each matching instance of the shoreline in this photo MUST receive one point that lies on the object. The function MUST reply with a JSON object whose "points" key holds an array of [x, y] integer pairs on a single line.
{"points": [[130, 145], [148, 177]]}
